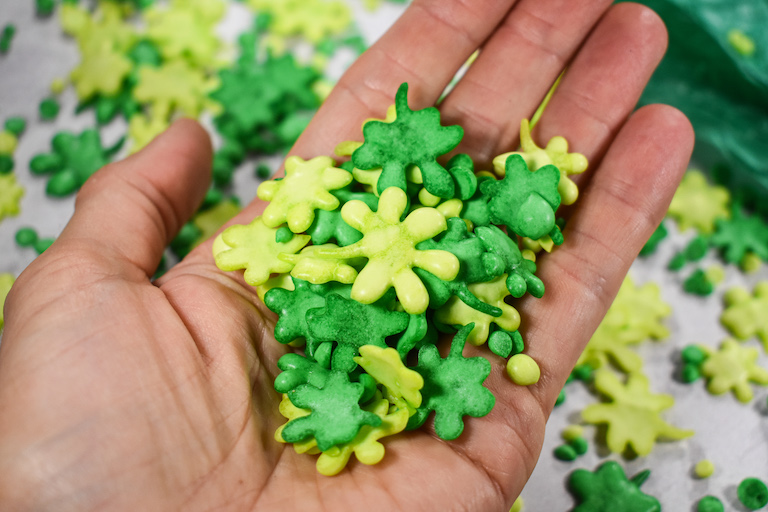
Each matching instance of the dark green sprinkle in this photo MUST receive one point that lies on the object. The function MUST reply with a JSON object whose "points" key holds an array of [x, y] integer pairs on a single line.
{"points": [[565, 452], [579, 445], [62, 184], [753, 493], [45, 163], [696, 249], [26, 237], [560, 398], [283, 235], [263, 171], [690, 373], [583, 372], [710, 504], [500, 343], [16, 125], [693, 355], [213, 197], [44, 7], [42, 244], [49, 109], [223, 170], [698, 284], [653, 243], [677, 262], [6, 164], [6, 37]]}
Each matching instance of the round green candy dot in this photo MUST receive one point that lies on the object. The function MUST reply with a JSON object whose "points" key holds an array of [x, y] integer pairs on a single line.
{"points": [[44, 7], [693, 355], [715, 274], [16, 125], [750, 263], [263, 172], [213, 197], [500, 344], [753, 493], [572, 432], [579, 445], [583, 372], [283, 235], [49, 109], [677, 262], [523, 370], [565, 452], [560, 398], [710, 504], [6, 164], [704, 468], [690, 373], [42, 244], [26, 237], [696, 249]]}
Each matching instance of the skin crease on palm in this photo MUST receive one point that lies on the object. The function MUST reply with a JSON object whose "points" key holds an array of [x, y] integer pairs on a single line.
{"points": [[123, 394]]}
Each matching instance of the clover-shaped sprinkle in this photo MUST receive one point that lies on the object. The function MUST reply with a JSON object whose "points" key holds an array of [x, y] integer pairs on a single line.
{"points": [[413, 138], [733, 367], [524, 201], [456, 312], [305, 188], [247, 96], [607, 489], [336, 416], [101, 71], [556, 153], [740, 235], [351, 325], [390, 246], [292, 306], [10, 195], [453, 387], [503, 253], [253, 248], [633, 415], [698, 204], [385, 365], [365, 445], [745, 315]]}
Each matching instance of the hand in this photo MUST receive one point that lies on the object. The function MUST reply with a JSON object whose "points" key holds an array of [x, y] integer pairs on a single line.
{"points": [[120, 393]]}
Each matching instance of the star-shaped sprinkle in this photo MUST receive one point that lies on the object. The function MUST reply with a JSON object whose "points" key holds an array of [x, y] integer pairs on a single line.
{"points": [[306, 187], [311, 19], [745, 314], [732, 368], [453, 387], [632, 416], [556, 153], [698, 204], [524, 201], [413, 138], [101, 71], [607, 489], [390, 246], [253, 248], [174, 85], [741, 235], [181, 31]]}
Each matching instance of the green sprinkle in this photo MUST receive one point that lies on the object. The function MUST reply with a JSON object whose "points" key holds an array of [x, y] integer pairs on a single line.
{"points": [[691, 373], [579, 445], [572, 432], [704, 468], [6, 164], [710, 504], [753, 493], [16, 125], [565, 452], [45, 163], [583, 372], [44, 7], [693, 354], [560, 398], [49, 109], [223, 170], [677, 262], [283, 235], [263, 171], [6, 37], [698, 284], [653, 243], [42, 244], [696, 249], [26, 237], [741, 42]]}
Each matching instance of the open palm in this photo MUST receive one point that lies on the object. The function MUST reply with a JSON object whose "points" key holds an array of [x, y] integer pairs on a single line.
{"points": [[120, 393]]}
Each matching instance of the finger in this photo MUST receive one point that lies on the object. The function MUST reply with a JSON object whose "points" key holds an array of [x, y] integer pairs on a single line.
{"points": [[425, 47], [626, 200], [132, 209], [605, 81], [515, 69]]}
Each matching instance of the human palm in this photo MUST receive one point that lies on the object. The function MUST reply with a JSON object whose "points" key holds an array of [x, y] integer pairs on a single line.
{"points": [[121, 393]]}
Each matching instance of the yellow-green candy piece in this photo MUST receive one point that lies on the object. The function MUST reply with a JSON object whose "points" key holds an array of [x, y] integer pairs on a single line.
{"points": [[523, 370], [308, 267], [385, 365], [10, 195], [305, 188], [101, 71], [8, 142], [745, 314], [174, 85], [697, 204], [254, 249], [733, 367], [6, 281], [704, 469], [390, 246], [633, 415], [572, 432], [517, 506]]}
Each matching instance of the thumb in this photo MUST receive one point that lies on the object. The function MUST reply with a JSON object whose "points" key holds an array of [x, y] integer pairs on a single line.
{"points": [[133, 208]]}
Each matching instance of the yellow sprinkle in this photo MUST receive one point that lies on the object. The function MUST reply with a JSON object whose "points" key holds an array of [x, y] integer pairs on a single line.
{"points": [[741, 42], [517, 506], [523, 370], [704, 468], [8, 142], [572, 432], [715, 274], [750, 263], [58, 85], [529, 255]]}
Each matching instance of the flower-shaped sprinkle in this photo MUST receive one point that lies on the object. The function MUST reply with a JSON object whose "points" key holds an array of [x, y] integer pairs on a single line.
{"points": [[733, 367], [101, 71], [175, 84], [607, 489], [186, 32], [390, 246], [633, 415], [745, 315], [305, 188], [698, 204]]}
